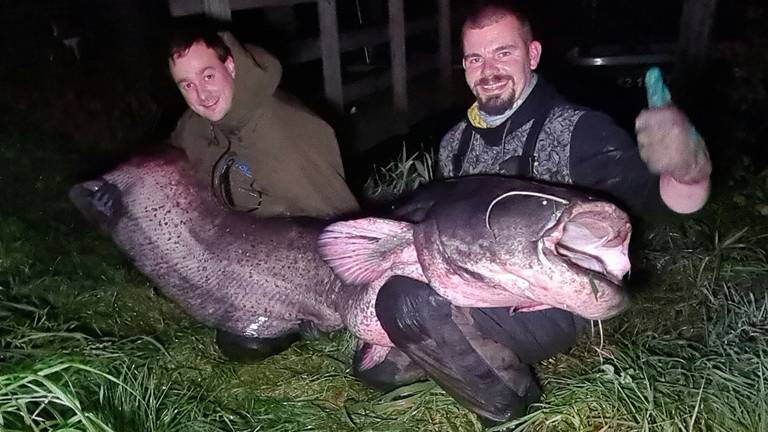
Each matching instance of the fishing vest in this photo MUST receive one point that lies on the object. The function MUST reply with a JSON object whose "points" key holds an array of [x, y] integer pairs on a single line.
{"points": [[534, 142]]}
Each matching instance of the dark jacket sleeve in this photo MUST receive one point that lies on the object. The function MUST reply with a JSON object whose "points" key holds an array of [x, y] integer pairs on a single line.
{"points": [[534, 336], [605, 158]]}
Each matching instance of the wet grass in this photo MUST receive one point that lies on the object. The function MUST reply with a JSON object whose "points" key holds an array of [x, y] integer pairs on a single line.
{"points": [[88, 344], [401, 175]]}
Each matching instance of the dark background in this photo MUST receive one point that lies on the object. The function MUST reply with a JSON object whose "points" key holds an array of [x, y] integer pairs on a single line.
{"points": [[117, 96]]}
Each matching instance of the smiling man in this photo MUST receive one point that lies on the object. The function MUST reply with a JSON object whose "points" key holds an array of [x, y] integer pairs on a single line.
{"points": [[498, 63], [520, 126], [259, 149], [205, 82]]}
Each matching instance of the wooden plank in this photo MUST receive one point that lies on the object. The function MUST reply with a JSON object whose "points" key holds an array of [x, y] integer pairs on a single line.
{"points": [[444, 36], [397, 55], [179, 8], [218, 10], [252, 4], [329, 48], [309, 49]]}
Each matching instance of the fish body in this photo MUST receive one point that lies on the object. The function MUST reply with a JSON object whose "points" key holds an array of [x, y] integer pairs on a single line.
{"points": [[488, 241], [232, 271], [478, 241]]}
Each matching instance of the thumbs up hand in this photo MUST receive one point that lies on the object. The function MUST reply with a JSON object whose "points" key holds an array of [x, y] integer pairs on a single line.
{"points": [[668, 143]]}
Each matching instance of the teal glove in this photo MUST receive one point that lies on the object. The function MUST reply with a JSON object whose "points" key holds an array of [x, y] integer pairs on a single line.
{"points": [[655, 89], [658, 96], [671, 147]]}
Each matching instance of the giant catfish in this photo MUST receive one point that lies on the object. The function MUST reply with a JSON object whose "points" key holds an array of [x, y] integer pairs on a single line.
{"points": [[486, 241], [480, 241], [259, 278]]}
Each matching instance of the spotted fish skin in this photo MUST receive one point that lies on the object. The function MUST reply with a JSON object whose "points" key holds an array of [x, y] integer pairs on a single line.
{"points": [[232, 271], [266, 277], [487, 241]]}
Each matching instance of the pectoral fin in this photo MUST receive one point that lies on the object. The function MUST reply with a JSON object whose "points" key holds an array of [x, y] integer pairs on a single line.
{"points": [[362, 250]]}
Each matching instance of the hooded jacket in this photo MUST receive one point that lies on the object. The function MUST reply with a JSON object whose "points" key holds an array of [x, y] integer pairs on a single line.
{"points": [[268, 155]]}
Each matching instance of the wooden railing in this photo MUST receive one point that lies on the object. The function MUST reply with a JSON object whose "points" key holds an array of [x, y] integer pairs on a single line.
{"points": [[331, 44]]}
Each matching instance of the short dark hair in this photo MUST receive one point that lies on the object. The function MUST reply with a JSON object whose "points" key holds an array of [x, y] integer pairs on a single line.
{"points": [[182, 40], [485, 13]]}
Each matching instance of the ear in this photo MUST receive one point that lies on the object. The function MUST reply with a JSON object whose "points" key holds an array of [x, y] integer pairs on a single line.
{"points": [[229, 63], [534, 53]]}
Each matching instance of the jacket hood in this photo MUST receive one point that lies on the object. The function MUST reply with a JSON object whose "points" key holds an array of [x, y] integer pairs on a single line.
{"points": [[257, 75]]}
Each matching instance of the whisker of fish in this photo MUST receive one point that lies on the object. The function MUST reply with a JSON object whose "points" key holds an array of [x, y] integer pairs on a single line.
{"points": [[543, 258], [508, 194], [602, 339], [600, 350]]}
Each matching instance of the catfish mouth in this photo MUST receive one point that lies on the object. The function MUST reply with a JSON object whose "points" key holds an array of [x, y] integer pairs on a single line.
{"points": [[593, 237]]}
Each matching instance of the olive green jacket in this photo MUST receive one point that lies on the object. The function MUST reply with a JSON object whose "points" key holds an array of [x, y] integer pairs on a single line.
{"points": [[269, 155]]}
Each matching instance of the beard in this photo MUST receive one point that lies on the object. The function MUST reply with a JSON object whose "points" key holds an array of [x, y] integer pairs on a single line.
{"points": [[498, 103]]}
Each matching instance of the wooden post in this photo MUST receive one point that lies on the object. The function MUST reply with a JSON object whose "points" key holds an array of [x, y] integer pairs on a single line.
{"points": [[444, 34], [695, 29], [397, 55], [218, 10], [329, 48]]}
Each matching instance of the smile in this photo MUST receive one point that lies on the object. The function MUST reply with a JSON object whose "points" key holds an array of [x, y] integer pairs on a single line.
{"points": [[494, 87], [211, 105]]}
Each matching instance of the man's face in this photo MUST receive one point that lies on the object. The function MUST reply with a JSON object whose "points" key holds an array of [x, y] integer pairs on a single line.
{"points": [[206, 83], [498, 62]]}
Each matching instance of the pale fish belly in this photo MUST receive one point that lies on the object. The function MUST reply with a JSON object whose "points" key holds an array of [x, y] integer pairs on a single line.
{"points": [[362, 320]]}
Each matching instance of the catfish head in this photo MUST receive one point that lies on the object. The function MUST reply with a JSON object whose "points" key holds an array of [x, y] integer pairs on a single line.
{"points": [[532, 248], [492, 241]]}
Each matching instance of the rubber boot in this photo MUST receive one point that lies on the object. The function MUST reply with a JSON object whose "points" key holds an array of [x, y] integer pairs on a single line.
{"points": [[394, 371], [481, 374], [250, 349]]}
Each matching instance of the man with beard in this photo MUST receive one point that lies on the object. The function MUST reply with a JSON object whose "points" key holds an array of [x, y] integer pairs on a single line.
{"points": [[520, 126]]}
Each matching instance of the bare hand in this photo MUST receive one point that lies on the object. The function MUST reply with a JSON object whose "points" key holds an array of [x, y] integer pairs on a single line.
{"points": [[669, 145]]}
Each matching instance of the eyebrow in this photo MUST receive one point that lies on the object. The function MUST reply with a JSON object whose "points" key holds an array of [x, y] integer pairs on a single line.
{"points": [[495, 50], [203, 71], [504, 47]]}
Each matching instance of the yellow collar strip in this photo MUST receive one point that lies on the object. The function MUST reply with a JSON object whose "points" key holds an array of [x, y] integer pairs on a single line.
{"points": [[473, 113]]}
